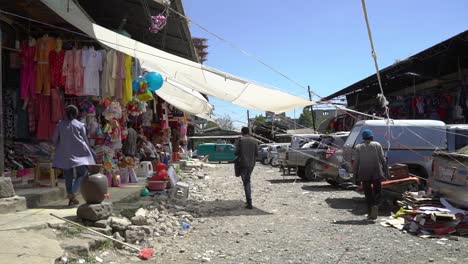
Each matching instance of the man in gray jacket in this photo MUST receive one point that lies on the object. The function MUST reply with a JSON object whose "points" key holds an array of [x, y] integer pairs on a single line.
{"points": [[370, 168], [246, 152]]}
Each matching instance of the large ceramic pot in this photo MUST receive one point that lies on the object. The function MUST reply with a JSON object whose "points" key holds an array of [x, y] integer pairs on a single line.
{"points": [[94, 186]]}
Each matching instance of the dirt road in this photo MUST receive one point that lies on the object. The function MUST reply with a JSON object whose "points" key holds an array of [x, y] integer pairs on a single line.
{"points": [[292, 222]]}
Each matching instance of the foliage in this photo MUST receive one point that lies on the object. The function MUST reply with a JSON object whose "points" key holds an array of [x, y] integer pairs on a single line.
{"points": [[260, 120], [211, 124], [225, 122], [305, 119]]}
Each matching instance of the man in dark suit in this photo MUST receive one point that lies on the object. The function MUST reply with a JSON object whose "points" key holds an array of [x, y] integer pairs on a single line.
{"points": [[246, 151]]}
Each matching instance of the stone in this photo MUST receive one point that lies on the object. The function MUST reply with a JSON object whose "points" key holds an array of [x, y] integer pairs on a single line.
{"points": [[94, 212], [94, 241], [132, 236], [101, 223], [6, 187], [119, 223], [12, 204], [119, 238], [139, 220], [141, 212], [106, 231]]}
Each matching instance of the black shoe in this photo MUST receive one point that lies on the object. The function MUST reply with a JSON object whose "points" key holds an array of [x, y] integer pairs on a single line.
{"points": [[249, 206]]}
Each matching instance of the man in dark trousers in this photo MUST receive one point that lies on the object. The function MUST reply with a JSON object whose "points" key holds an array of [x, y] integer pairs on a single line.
{"points": [[129, 147], [370, 168], [246, 151]]}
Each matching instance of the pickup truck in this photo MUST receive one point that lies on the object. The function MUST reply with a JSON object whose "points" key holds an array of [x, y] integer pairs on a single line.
{"points": [[319, 159], [450, 175]]}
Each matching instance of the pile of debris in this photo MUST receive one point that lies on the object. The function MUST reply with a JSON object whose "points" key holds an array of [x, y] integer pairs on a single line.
{"points": [[427, 215]]}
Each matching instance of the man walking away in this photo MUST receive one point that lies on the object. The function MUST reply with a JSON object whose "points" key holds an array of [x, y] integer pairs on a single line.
{"points": [[370, 167], [246, 152]]}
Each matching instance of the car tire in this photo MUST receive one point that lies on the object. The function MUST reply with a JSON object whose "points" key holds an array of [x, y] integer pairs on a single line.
{"points": [[265, 161], [311, 174], [332, 182], [300, 172], [274, 162]]}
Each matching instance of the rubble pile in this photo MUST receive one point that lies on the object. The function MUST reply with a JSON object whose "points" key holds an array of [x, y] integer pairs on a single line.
{"points": [[427, 215]]}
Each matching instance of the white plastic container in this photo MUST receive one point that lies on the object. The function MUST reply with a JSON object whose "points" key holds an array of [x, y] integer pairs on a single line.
{"points": [[145, 169]]}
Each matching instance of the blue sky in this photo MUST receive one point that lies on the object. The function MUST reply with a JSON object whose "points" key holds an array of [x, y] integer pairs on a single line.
{"points": [[323, 44]]}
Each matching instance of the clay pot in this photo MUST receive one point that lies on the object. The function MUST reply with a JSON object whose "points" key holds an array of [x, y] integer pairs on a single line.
{"points": [[94, 186]]}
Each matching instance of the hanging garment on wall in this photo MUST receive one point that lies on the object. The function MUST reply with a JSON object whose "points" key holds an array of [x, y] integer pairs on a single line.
{"points": [[28, 75], [419, 105], [118, 74], [43, 47], [32, 116], [108, 70], [78, 72], [68, 72], [9, 114], [92, 63], [136, 69], [57, 105], [147, 117], [103, 73], [56, 59], [127, 93], [45, 126]]}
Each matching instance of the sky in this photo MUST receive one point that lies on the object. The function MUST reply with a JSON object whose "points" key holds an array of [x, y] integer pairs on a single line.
{"points": [[323, 44]]}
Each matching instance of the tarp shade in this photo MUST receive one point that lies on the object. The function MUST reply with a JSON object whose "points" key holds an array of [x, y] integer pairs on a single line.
{"points": [[188, 73]]}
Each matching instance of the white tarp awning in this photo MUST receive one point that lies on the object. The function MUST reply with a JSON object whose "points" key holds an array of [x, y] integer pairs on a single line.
{"points": [[185, 72]]}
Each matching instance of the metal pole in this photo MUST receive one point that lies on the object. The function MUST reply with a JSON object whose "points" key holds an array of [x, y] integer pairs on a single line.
{"points": [[2, 153], [311, 108], [248, 121]]}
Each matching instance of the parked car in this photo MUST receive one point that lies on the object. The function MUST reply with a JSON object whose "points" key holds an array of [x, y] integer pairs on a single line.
{"points": [[263, 153], [410, 142], [319, 159], [273, 158], [217, 151], [297, 141], [450, 169]]}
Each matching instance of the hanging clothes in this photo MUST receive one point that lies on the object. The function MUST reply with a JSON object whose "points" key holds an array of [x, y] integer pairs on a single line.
{"points": [[118, 74], [127, 89], [78, 72], [56, 59], [109, 81], [43, 47], [136, 69], [27, 71], [68, 72], [103, 74], [45, 126], [57, 105], [92, 64]]}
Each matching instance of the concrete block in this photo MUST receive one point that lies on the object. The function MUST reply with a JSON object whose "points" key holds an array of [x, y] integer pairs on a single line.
{"points": [[6, 188], [94, 212], [12, 204]]}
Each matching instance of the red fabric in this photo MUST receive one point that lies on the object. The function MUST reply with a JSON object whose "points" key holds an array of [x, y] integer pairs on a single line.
{"points": [[146, 253], [27, 72], [56, 63], [45, 126], [57, 105]]}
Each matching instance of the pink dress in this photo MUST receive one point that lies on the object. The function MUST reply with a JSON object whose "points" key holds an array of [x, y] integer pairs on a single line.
{"points": [[79, 72], [118, 73], [68, 72], [92, 63], [56, 64], [28, 76]]}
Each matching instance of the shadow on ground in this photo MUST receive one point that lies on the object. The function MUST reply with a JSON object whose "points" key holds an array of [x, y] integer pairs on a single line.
{"points": [[355, 205], [222, 208], [321, 188], [353, 222], [281, 181]]}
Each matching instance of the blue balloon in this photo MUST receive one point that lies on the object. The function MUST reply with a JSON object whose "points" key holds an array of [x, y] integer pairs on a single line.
{"points": [[135, 85], [155, 80]]}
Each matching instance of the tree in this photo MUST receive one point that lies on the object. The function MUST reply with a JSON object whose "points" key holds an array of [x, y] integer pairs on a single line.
{"points": [[260, 120], [211, 124], [225, 122], [305, 119]]}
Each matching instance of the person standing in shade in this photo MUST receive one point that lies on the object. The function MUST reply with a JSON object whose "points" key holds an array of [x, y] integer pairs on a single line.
{"points": [[246, 152], [129, 147], [370, 168], [72, 152]]}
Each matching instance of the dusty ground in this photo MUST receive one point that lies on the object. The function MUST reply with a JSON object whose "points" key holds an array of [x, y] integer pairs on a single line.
{"points": [[292, 222]]}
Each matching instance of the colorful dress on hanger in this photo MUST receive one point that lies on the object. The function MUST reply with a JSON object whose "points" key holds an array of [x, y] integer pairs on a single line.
{"points": [[109, 82], [56, 59], [28, 76], [45, 126], [68, 71], [92, 63], [78, 72], [58, 107], [127, 89], [118, 74], [43, 47]]}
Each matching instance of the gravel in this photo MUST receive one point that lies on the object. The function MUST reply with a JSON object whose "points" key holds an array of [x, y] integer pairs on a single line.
{"points": [[292, 222]]}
